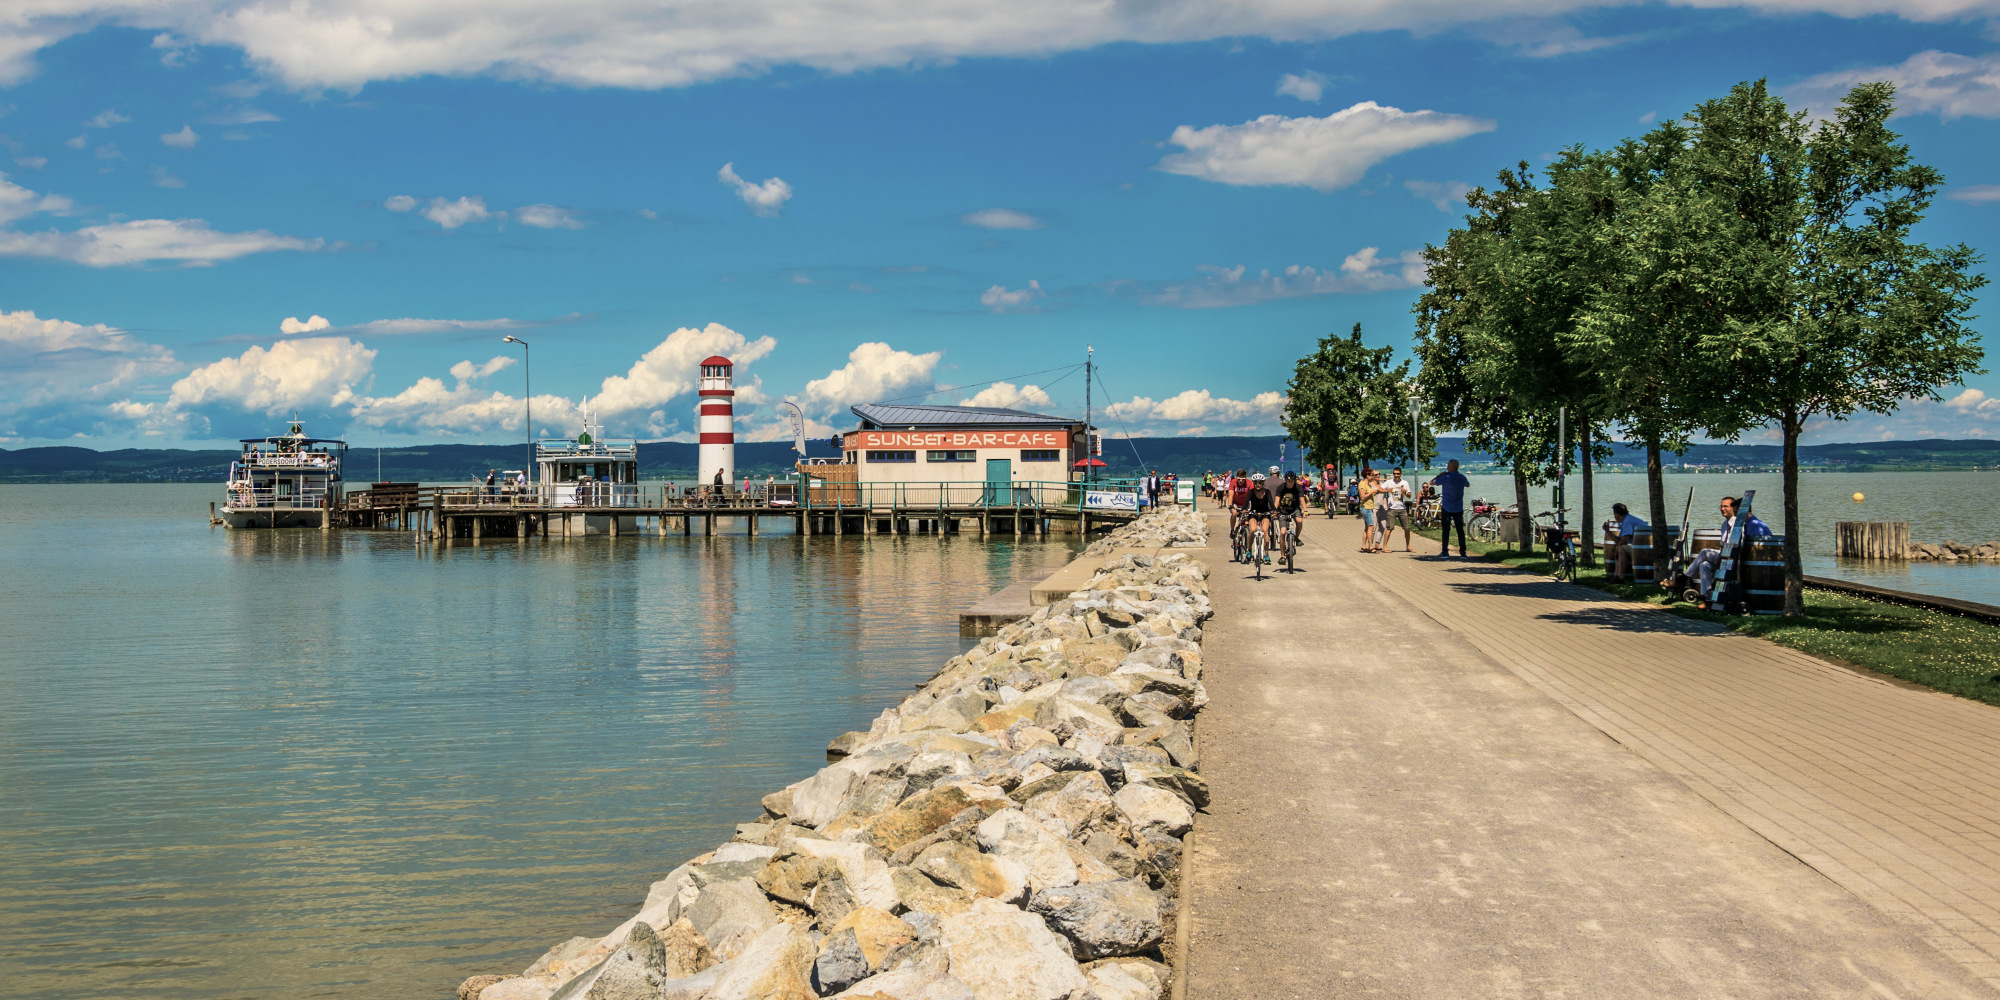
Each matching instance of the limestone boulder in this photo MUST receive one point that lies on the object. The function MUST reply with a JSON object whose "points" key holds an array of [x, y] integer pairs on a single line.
{"points": [[686, 951], [790, 878], [1116, 982], [729, 915], [858, 946], [846, 883], [925, 813], [1010, 834], [961, 866], [925, 769], [1003, 953], [475, 985], [633, 972], [1184, 783], [1104, 919], [912, 983], [1151, 807], [775, 965], [556, 957], [919, 893], [739, 852], [521, 988]]}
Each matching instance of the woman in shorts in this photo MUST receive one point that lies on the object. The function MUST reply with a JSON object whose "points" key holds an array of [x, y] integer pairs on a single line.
{"points": [[1369, 480]]}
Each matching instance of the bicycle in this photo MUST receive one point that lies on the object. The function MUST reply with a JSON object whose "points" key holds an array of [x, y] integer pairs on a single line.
{"points": [[1256, 550], [1239, 539], [1486, 520], [1288, 541], [1561, 544]]}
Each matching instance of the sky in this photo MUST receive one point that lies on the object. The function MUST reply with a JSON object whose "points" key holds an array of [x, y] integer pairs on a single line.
{"points": [[217, 213]]}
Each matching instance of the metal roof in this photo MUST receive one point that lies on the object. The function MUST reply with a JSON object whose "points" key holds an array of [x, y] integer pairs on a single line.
{"points": [[889, 415], [717, 359]]}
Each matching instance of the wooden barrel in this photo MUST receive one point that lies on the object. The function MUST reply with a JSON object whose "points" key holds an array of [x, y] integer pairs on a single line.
{"points": [[1642, 551], [1763, 568], [1706, 538]]}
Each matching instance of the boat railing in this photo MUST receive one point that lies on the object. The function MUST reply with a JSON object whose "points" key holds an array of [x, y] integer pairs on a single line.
{"points": [[268, 498], [271, 460]]}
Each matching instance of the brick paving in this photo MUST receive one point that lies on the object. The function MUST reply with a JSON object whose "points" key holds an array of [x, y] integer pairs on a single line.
{"points": [[1886, 789]]}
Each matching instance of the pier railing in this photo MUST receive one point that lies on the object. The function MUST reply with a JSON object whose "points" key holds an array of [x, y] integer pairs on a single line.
{"points": [[267, 498], [917, 496]]}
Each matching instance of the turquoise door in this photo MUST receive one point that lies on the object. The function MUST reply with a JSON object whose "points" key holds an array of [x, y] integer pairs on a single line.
{"points": [[999, 477]]}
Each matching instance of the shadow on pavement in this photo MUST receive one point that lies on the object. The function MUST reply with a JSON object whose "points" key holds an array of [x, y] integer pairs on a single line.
{"points": [[1634, 620]]}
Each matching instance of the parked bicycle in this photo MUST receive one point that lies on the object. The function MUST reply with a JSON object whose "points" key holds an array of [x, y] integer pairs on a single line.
{"points": [[1485, 522], [1561, 544]]}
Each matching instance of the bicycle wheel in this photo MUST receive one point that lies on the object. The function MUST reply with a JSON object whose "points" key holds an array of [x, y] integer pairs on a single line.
{"points": [[1257, 553], [1291, 550]]}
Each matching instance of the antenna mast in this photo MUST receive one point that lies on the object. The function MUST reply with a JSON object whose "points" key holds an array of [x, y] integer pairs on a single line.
{"points": [[1089, 470]]}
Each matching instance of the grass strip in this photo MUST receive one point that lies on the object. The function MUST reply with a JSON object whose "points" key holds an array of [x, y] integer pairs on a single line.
{"points": [[1936, 649]]}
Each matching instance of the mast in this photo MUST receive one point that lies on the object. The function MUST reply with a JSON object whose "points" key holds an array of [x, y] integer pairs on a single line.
{"points": [[1089, 470]]}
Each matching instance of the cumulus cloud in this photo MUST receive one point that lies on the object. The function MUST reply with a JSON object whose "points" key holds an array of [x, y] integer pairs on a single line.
{"points": [[183, 139], [1009, 395], [17, 202], [453, 214], [1180, 413], [312, 373], [1304, 86], [105, 119], [162, 177], [1319, 153], [547, 217], [1964, 413], [672, 367], [1000, 218], [1977, 194], [1363, 271], [429, 406], [1941, 83], [764, 199], [59, 378], [186, 241], [874, 371], [399, 203], [291, 324], [618, 43], [1446, 195], [1000, 298], [411, 325]]}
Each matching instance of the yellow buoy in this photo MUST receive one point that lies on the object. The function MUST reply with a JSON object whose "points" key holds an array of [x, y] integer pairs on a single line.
{"points": [[1858, 498]]}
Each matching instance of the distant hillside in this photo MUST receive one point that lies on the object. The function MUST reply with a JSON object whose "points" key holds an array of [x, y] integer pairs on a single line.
{"points": [[1189, 456]]}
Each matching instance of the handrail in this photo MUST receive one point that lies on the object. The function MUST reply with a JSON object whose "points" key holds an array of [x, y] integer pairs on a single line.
{"points": [[938, 496]]}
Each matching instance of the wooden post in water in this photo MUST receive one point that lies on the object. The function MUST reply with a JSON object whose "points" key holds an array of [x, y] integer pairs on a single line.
{"points": [[750, 524], [1872, 539]]}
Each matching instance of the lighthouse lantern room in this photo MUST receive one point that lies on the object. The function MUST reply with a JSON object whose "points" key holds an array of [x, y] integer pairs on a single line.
{"points": [[718, 420]]}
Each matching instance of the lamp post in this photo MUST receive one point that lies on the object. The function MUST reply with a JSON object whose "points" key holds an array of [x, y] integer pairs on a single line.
{"points": [[527, 404], [1416, 404]]}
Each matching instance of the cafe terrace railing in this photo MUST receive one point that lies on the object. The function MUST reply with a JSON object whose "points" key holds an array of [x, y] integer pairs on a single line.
{"points": [[833, 497]]}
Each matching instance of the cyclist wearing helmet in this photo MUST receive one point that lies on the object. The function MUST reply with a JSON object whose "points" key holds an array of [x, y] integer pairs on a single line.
{"points": [[1257, 505], [1290, 501]]}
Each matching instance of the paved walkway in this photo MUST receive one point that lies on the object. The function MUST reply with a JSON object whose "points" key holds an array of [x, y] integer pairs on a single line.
{"points": [[1414, 796]]}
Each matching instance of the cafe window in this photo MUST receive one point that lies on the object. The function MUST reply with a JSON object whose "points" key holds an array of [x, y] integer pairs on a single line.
{"points": [[1037, 455], [951, 456], [892, 456]]}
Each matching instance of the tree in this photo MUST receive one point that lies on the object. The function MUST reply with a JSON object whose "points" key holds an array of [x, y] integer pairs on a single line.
{"points": [[1847, 311], [1338, 407]]}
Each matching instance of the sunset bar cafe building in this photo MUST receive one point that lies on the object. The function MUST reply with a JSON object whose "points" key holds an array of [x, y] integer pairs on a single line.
{"points": [[964, 444]]}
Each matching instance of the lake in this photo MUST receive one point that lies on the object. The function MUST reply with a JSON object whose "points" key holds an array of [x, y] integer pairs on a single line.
{"points": [[343, 764]]}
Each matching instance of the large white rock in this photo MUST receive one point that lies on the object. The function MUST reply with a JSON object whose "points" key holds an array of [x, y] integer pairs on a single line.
{"points": [[1006, 954], [913, 983], [521, 988], [1009, 833], [1111, 982], [731, 914], [775, 965], [743, 852], [1072, 812], [1147, 806]]}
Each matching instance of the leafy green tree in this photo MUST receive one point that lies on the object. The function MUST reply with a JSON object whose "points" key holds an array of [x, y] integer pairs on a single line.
{"points": [[1340, 400], [1841, 308]]}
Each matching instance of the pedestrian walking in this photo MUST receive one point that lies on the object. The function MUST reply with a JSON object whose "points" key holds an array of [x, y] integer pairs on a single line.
{"points": [[1451, 485], [1364, 494], [1398, 496]]}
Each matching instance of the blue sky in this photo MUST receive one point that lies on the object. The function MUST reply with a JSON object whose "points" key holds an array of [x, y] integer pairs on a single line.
{"points": [[910, 203]]}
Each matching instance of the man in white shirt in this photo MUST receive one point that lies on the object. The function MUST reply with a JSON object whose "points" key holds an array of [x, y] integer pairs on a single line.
{"points": [[1621, 550], [1399, 493]]}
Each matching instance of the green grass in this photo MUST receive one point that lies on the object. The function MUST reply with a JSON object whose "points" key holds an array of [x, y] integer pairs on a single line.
{"points": [[1943, 651]]}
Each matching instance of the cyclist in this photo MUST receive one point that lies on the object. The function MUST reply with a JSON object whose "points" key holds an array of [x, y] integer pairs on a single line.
{"points": [[1290, 502], [1257, 504], [1238, 496]]}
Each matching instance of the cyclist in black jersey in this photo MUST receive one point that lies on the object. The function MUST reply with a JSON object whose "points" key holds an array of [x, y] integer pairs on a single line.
{"points": [[1290, 500], [1257, 507]]}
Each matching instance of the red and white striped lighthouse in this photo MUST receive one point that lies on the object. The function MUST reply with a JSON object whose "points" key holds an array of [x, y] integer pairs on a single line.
{"points": [[718, 420]]}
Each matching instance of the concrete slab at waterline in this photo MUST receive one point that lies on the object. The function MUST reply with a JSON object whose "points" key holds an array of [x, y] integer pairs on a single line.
{"points": [[1414, 796]]}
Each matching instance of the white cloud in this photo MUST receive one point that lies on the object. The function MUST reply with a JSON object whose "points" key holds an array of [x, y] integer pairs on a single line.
{"points": [[1446, 195], [17, 202], [399, 203], [186, 241], [32, 162], [1304, 86], [428, 406], [1007, 394], [59, 378], [78, 142], [1976, 194], [109, 151], [764, 199], [291, 374], [1000, 218], [1319, 153], [291, 324], [106, 119], [241, 116], [453, 214], [547, 217], [162, 177], [874, 371], [1545, 38], [392, 327], [671, 368], [1360, 272], [183, 139], [1941, 83], [1194, 409], [1000, 299], [1966, 413]]}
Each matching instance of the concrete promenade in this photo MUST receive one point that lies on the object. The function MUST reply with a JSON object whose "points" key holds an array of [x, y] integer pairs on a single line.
{"points": [[1446, 779]]}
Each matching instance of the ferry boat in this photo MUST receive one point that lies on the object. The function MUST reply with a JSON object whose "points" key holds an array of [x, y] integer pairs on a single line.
{"points": [[284, 482]]}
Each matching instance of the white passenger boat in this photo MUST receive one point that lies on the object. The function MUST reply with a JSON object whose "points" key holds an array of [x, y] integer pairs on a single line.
{"points": [[284, 482]]}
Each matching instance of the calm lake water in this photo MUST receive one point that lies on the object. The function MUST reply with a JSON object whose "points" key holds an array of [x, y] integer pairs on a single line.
{"points": [[294, 764], [1959, 505]]}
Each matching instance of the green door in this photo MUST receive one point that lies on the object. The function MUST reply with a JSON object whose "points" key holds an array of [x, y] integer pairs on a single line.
{"points": [[999, 477]]}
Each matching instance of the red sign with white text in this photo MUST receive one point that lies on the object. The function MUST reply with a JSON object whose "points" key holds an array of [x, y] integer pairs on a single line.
{"points": [[957, 439]]}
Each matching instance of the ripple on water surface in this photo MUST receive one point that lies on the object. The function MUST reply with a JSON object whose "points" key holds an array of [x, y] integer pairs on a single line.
{"points": [[252, 764]]}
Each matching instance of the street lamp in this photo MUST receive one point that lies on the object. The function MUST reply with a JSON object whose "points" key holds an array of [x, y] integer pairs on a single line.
{"points": [[1416, 403], [527, 404]]}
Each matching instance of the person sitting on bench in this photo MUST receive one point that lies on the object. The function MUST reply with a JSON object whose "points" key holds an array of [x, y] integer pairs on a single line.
{"points": [[1621, 550], [1702, 567]]}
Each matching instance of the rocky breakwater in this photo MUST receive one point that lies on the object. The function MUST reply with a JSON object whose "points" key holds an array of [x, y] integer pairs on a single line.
{"points": [[1953, 551], [1178, 526], [1013, 831]]}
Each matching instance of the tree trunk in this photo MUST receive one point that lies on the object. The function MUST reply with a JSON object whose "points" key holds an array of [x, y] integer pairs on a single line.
{"points": [[1795, 575], [1588, 525], [1656, 507], [1527, 524]]}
